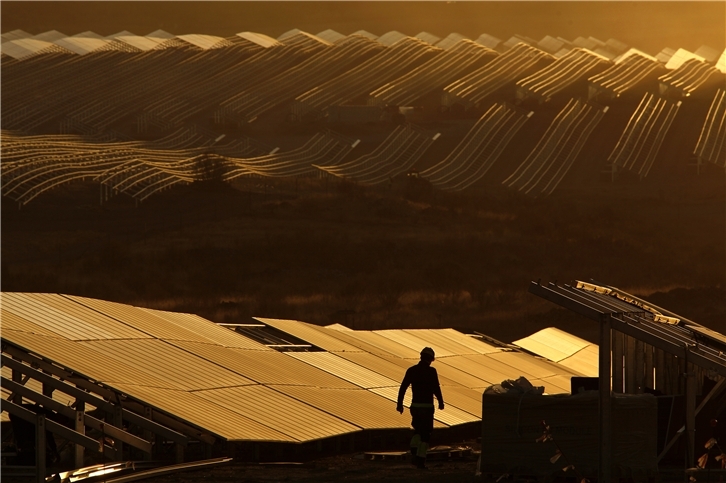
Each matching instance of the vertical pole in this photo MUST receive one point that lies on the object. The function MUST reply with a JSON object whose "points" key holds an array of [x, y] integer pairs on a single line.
{"points": [[179, 453], [119, 423], [690, 415], [40, 448], [668, 371], [48, 390], [639, 370], [17, 377], [148, 435], [649, 360], [630, 374], [660, 372], [617, 343], [604, 475], [80, 428]]}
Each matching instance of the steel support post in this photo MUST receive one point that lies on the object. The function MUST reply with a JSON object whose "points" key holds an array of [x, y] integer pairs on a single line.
{"points": [[80, 427], [604, 473], [17, 377], [118, 421], [148, 435], [40, 448], [690, 418], [178, 453]]}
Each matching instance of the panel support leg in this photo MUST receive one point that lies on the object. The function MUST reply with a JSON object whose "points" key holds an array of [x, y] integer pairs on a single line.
{"points": [[79, 450], [40, 448], [604, 475], [690, 419]]}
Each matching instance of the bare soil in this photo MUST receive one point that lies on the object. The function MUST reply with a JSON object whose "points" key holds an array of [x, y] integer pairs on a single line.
{"points": [[333, 469], [403, 256]]}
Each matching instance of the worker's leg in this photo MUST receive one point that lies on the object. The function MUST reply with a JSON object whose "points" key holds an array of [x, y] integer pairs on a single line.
{"points": [[416, 439], [424, 417]]}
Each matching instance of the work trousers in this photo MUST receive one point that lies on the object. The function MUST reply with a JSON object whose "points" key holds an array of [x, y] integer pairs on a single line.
{"points": [[422, 420]]}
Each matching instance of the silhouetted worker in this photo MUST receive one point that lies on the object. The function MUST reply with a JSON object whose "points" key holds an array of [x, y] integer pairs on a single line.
{"points": [[424, 382]]}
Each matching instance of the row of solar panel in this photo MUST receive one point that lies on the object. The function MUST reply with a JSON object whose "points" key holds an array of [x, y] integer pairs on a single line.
{"points": [[236, 388]]}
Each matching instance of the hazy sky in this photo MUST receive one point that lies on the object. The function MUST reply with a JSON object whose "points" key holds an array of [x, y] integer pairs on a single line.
{"points": [[648, 25]]}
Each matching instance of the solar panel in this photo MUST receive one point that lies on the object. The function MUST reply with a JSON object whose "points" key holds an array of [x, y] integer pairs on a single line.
{"points": [[205, 413], [289, 416], [211, 331], [176, 367], [268, 367], [344, 369]]}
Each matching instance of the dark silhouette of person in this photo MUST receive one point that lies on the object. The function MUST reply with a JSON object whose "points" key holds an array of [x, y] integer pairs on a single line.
{"points": [[424, 382]]}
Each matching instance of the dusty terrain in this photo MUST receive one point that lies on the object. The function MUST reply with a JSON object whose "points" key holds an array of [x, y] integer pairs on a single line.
{"points": [[376, 259], [335, 468]]}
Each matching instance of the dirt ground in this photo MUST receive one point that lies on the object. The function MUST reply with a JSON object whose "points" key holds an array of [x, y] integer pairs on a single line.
{"points": [[333, 469]]}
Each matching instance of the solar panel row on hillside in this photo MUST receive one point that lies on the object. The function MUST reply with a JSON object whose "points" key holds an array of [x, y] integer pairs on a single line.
{"points": [[235, 388], [234, 81]]}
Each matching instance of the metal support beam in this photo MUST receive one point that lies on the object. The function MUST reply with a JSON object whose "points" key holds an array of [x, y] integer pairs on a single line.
{"points": [[95, 401], [90, 421], [48, 403], [690, 418], [207, 450], [51, 426], [649, 362], [617, 345], [639, 369], [630, 374], [80, 428], [169, 422], [117, 420], [567, 302], [39, 447], [17, 377], [178, 453], [604, 475], [55, 370], [720, 386], [627, 324]]}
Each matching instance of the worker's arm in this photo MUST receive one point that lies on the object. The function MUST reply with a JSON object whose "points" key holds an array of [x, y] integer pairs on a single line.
{"points": [[402, 391], [437, 390]]}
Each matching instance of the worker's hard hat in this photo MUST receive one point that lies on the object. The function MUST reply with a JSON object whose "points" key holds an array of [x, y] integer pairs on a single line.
{"points": [[428, 353]]}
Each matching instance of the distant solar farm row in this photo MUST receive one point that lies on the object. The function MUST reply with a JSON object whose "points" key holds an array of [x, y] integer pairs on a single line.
{"points": [[184, 91]]}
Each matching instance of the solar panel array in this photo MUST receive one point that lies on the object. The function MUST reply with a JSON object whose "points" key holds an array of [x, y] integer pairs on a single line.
{"points": [[124, 86], [234, 388], [565, 349]]}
